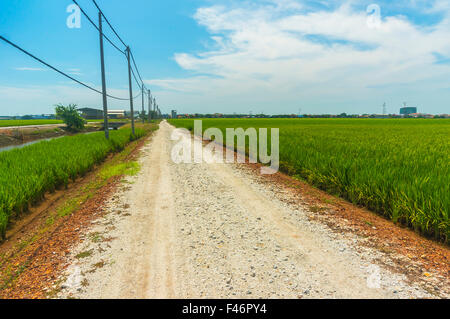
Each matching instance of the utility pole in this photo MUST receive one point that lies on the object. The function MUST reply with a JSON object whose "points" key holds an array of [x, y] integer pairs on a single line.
{"points": [[143, 107], [102, 59], [131, 91], [149, 105]]}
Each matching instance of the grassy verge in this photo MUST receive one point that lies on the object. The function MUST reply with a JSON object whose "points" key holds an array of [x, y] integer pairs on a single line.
{"points": [[27, 174], [21, 255]]}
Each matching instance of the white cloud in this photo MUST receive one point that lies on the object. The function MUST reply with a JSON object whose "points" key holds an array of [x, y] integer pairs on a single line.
{"points": [[28, 69], [75, 72], [268, 53]]}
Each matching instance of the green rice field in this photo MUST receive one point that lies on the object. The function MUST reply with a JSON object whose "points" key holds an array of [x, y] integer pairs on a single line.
{"points": [[399, 168], [12, 123], [15, 123]]}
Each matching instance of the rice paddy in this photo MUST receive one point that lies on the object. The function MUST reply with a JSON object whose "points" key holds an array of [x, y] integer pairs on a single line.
{"points": [[27, 174], [398, 168]]}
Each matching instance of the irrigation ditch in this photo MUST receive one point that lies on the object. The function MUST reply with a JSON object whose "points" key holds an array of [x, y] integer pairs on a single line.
{"points": [[36, 243], [19, 137]]}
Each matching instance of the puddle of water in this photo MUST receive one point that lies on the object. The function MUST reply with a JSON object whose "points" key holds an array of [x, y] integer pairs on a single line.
{"points": [[13, 147]]}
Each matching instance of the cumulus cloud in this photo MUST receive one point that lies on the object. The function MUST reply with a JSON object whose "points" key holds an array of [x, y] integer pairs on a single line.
{"points": [[268, 53]]}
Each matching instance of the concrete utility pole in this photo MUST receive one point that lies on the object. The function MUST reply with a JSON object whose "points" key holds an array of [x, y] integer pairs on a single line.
{"points": [[131, 90], [149, 105], [102, 60]]}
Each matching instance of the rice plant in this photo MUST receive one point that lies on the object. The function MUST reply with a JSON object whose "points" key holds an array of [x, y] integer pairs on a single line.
{"points": [[396, 167], [27, 174]]}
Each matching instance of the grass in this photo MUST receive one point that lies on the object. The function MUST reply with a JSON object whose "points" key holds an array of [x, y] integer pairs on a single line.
{"points": [[27, 174], [8, 123], [84, 254], [11, 270], [397, 168]]}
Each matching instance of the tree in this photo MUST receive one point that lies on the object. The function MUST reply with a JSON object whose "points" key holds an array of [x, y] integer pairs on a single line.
{"points": [[70, 116], [143, 115]]}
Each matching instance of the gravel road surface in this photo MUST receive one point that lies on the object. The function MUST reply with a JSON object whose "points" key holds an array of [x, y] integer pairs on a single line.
{"points": [[216, 231]]}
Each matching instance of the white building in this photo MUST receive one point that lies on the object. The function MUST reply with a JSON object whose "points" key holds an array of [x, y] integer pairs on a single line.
{"points": [[116, 114]]}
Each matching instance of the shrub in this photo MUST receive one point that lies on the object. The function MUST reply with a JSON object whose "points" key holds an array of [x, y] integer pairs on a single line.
{"points": [[70, 116]]}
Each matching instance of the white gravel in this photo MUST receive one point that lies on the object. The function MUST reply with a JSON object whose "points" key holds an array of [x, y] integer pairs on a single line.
{"points": [[216, 231]]}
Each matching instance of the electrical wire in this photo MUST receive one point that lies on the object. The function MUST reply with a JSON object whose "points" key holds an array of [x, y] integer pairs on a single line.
{"points": [[143, 88], [98, 29], [137, 70], [57, 70], [107, 21], [123, 42]]}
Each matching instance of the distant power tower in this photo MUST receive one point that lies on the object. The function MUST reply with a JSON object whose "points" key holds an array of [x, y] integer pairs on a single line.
{"points": [[384, 109]]}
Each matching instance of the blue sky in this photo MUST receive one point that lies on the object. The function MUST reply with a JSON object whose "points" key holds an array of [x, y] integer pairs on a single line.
{"points": [[271, 56]]}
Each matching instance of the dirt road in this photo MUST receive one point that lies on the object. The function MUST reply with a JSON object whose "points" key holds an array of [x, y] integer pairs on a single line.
{"points": [[216, 231]]}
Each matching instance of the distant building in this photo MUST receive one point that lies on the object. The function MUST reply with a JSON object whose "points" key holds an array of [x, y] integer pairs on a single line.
{"points": [[128, 114], [174, 114], [420, 115], [116, 114], [91, 114], [408, 110]]}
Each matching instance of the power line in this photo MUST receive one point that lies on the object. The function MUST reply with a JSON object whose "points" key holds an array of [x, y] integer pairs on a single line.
{"points": [[137, 82], [123, 42], [139, 95], [134, 62], [135, 78], [107, 21], [98, 29], [57, 70], [140, 83]]}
